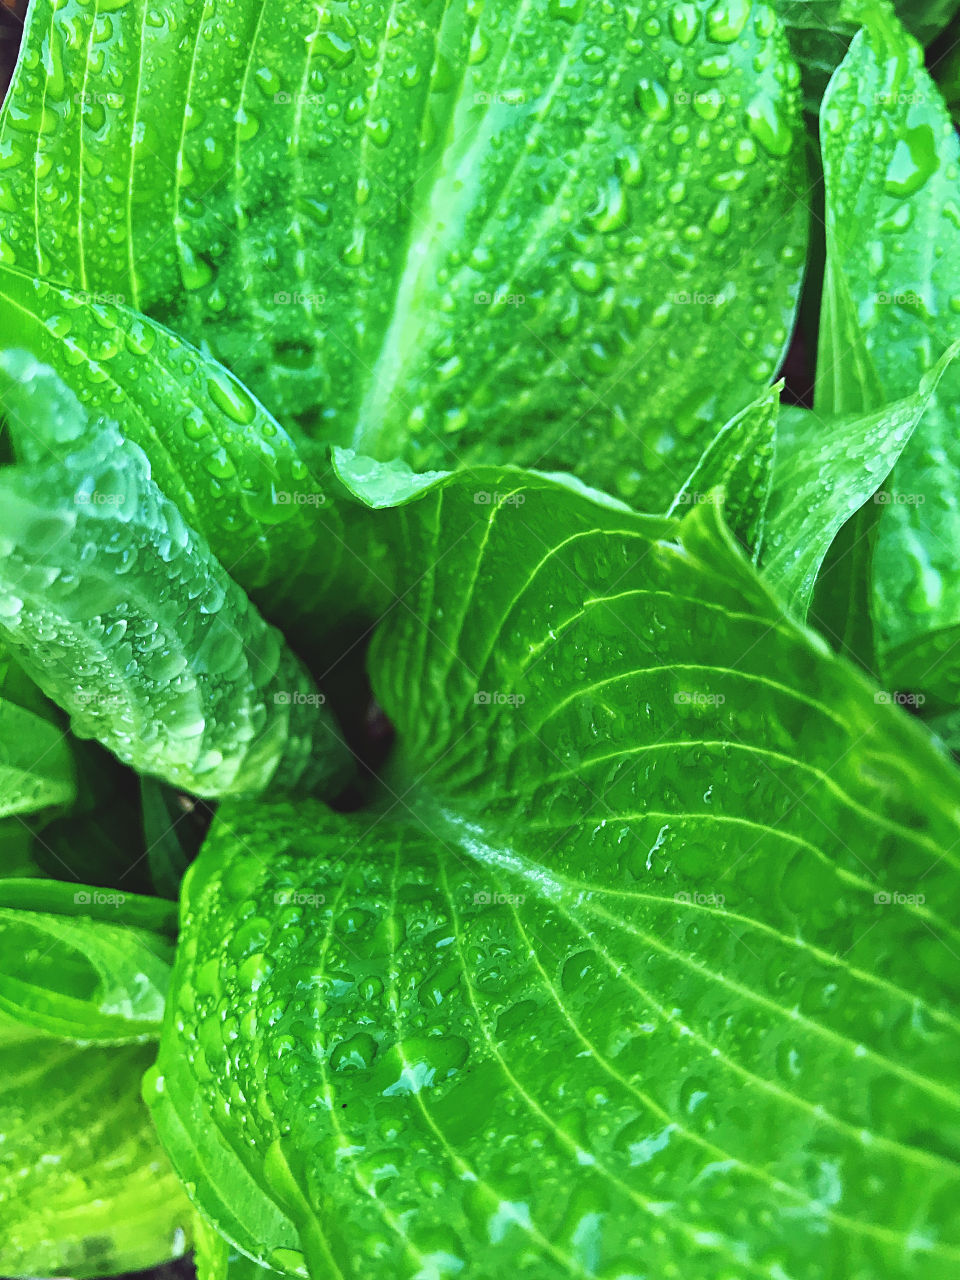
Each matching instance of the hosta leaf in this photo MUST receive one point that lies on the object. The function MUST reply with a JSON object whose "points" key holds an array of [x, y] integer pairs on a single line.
{"points": [[86, 902], [214, 1258], [740, 462], [16, 857], [606, 984], [85, 1189], [171, 838], [76, 976], [893, 243], [120, 612], [38, 770], [558, 235], [234, 473], [820, 31], [826, 469]]}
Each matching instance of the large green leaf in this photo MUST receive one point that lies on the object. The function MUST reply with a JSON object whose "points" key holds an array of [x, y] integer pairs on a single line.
{"points": [[91, 978], [826, 469], [561, 234], [85, 1188], [643, 965], [121, 613], [893, 244]]}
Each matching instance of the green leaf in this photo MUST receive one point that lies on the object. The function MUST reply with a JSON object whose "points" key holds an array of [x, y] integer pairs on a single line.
{"points": [[38, 772], [172, 840], [820, 31], [91, 978], [890, 159], [557, 235], [211, 1251], [37, 769], [100, 841], [215, 1260], [16, 856], [740, 461], [121, 613], [86, 902], [826, 469], [236, 476], [605, 984], [86, 1189]]}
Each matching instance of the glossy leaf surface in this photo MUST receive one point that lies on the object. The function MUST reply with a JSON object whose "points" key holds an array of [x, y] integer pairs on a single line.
{"points": [[643, 962]]}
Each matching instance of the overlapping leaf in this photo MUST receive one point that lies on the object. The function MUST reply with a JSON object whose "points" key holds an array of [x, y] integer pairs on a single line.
{"points": [[560, 235], [37, 765], [820, 31], [85, 1189], [83, 963], [893, 245], [826, 469], [643, 962], [121, 613], [234, 473]]}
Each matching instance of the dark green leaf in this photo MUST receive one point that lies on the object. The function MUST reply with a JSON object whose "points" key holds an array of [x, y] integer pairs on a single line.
{"points": [[820, 31], [172, 839]]}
